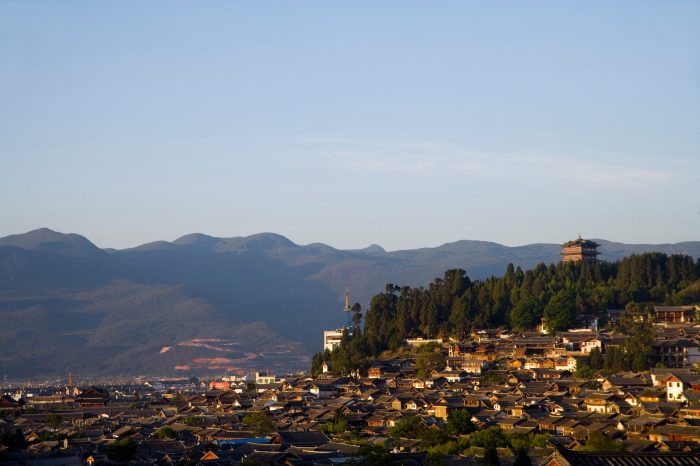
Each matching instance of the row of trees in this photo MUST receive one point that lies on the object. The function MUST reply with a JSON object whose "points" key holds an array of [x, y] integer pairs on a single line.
{"points": [[461, 436]]}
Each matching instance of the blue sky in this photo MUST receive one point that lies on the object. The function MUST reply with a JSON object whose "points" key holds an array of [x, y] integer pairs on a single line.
{"points": [[402, 123]]}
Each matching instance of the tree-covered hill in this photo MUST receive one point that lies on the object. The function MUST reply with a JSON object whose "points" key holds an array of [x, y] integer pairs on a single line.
{"points": [[454, 304]]}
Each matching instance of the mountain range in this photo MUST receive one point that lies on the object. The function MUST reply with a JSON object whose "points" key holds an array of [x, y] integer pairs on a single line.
{"points": [[202, 304]]}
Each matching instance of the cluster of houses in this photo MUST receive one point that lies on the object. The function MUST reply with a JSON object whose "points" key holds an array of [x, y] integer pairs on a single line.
{"points": [[520, 383]]}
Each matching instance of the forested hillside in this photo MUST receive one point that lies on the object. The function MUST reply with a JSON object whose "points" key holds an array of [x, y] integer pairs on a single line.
{"points": [[454, 304]]}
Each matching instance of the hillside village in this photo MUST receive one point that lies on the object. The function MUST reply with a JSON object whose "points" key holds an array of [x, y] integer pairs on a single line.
{"points": [[499, 391]]}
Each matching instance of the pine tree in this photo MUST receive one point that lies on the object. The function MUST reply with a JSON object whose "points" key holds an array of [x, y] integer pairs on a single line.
{"points": [[490, 457], [522, 459], [595, 359]]}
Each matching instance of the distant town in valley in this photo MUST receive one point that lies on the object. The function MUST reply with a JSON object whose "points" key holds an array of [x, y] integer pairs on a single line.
{"points": [[583, 361]]}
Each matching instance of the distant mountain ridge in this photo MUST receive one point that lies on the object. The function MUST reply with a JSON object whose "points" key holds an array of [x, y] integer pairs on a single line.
{"points": [[46, 240], [264, 283]]}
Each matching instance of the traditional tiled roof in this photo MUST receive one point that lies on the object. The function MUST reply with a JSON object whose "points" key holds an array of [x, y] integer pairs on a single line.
{"points": [[563, 457], [311, 438], [581, 242]]}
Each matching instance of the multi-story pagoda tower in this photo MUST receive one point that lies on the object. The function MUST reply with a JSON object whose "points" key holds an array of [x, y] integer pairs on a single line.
{"points": [[580, 250]]}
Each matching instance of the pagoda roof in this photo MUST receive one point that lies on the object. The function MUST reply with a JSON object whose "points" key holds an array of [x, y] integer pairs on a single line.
{"points": [[581, 242]]}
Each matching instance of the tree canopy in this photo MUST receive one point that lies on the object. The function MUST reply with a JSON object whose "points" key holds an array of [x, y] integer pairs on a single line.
{"points": [[453, 305]]}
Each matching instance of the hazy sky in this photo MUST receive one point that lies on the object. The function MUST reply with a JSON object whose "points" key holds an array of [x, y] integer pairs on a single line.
{"points": [[401, 123]]}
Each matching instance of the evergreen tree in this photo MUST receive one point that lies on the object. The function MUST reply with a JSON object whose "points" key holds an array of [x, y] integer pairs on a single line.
{"points": [[259, 421], [522, 459], [490, 457], [459, 422], [615, 360], [598, 442], [560, 310], [375, 455], [317, 364], [525, 313], [435, 459], [54, 420], [356, 316], [121, 451], [595, 359], [428, 359]]}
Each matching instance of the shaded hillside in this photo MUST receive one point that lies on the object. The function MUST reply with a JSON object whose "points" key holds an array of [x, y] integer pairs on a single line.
{"points": [[222, 282], [23, 270], [123, 328]]}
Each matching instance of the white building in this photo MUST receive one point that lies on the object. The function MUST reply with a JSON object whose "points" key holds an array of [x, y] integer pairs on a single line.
{"points": [[422, 341], [588, 345], [331, 339], [565, 364], [679, 386], [674, 389], [263, 378]]}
